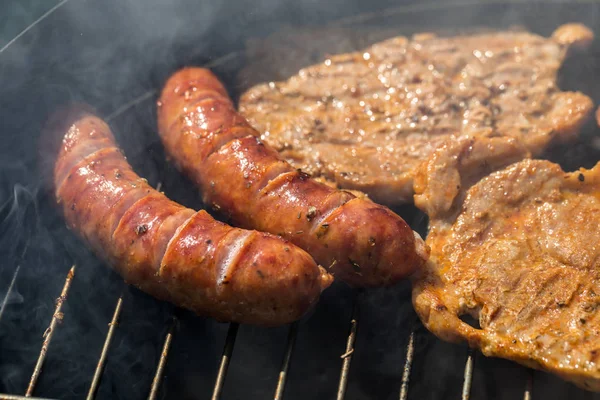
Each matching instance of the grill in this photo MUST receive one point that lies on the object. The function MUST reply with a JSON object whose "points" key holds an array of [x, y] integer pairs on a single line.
{"points": [[221, 375], [97, 338]]}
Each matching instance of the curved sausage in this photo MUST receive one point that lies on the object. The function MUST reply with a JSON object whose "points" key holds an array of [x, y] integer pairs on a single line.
{"points": [[360, 242], [168, 250]]}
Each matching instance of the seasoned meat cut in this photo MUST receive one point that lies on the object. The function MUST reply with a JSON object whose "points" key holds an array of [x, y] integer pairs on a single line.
{"points": [[365, 120], [519, 251]]}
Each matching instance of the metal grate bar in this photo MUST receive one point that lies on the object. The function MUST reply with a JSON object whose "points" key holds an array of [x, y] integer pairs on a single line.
{"points": [[162, 362], [58, 316], [100, 367], [527, 395], [17, 397], [466, 391], [227, 352], [410, 352], [347, 356], [8, 291], [285, 365]]}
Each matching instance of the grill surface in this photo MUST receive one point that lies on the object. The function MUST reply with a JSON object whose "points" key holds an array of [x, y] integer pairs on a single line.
{"points": [[102, 339], [346, 357]]}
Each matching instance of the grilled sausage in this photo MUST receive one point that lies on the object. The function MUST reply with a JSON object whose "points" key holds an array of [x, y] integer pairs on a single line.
{"points": [[360, 242], [168, 250]]}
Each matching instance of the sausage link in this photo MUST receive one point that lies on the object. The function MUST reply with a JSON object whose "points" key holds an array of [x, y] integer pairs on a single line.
{"points": [[170, 251], [360, 242]]}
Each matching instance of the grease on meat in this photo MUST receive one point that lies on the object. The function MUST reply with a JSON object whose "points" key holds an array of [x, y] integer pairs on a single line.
{"points": [[519, 250], [165, 249], [366, 120]]}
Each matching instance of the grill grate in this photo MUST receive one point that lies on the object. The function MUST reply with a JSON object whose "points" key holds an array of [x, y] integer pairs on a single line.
{"points": [[347, 356], [285, 364], [410, 352], [528, 386], [9, 291], [56, 317], [162, 362], [102, 360], [466, 391], [225, 358], [228, 353]]}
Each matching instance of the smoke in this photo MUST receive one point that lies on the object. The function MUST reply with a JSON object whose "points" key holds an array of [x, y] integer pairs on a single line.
{"points": [[115, 55]]}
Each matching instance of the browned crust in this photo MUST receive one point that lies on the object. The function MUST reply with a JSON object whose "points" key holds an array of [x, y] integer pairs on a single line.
{"points": [[439, 307], [574, 35], [169, 251], [360, 242], [292, 130]]}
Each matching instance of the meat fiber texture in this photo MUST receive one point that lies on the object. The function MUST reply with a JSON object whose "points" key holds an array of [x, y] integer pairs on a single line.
{"points": [[518, 251], [365, 120]]}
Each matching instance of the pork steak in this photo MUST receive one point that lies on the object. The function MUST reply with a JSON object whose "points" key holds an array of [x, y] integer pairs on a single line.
{"points": [[519, 252], [365, 120]]}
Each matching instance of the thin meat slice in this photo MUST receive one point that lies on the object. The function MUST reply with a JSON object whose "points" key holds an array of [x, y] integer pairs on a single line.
{"points": [[517, 250], [366, 120]]}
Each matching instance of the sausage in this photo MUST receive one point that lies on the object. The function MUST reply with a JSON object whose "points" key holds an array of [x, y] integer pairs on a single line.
{"points": [[167, 250], [358, 241]]}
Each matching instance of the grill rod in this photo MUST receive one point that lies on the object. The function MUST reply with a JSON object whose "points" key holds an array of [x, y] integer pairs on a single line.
{"points": [[285, 365], [466, 391], [225, 358], [56, 317], [347, 356], [527, 395], [162, 362], [101, 362], [410, 352], [9, 290]]}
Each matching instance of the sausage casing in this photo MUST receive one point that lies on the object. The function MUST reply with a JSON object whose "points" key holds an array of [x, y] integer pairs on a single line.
{"points": [[360, 242], [170, 251]]}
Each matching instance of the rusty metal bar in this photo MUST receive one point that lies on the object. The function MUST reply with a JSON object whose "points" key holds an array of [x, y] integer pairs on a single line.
{"points": [[347, 356], [162, 362], [56, 317], [466, 390], [410, 352], [225, 358], [100, 366], [8, 291], [285, 365], [528, 394]]}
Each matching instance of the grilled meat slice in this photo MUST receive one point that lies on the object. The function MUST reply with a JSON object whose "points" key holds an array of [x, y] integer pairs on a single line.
{"points": [[365, 120], [519, 251]]}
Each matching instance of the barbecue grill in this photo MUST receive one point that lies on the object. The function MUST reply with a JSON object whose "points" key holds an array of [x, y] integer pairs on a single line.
{"points": [[69, 326]]}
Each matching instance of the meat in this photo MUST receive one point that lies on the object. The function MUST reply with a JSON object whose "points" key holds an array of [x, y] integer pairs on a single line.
{"points": [[366, 120], [518, 251], [360, 242], [172, 252]]}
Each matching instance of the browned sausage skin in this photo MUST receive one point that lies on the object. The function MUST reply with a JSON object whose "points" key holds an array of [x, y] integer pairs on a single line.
{"points": [[360, 242], [172, 252]]}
